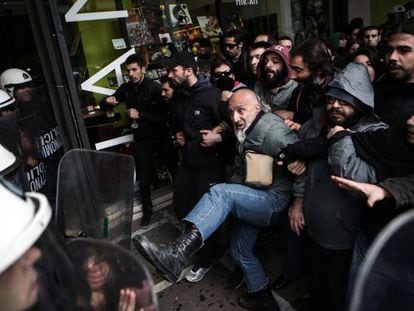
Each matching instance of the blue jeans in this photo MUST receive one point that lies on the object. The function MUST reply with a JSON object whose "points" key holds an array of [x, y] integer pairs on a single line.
{"points": [[254, 208]]}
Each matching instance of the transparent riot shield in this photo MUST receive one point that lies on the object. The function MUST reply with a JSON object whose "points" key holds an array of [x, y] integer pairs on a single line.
{"points": [[110, 269], [95, 195], [386, 278]]}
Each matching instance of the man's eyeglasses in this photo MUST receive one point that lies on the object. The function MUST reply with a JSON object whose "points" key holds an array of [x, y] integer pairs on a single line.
{"points": [[331, 100], [218, 75], [230, 45]]}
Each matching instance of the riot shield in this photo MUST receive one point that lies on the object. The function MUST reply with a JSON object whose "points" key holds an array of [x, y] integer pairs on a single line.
{"points": [[108, 269], [95, 195], [386, 278], [42, 145], [10, 139]]}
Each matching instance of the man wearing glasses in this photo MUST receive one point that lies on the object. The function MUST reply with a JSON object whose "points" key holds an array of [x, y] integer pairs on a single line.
{"points": [[329, 216], [235, 52]]}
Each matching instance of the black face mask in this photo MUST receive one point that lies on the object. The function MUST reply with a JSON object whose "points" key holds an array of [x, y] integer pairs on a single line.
{"points": [[225, 83]]}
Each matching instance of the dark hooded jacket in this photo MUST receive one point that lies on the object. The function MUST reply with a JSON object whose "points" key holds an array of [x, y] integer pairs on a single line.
{"points": [[392, 156], [333, 215], [197, 108], [278, 97]]}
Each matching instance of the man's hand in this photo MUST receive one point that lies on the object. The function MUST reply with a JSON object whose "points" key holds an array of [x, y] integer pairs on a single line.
{"points": [[210, 138], [297, 167], [334, 130], [133, 113], [218, 129], [292, 125], [180, 138], [296, 219], [373, 193], [111, 100], [225, 96]]}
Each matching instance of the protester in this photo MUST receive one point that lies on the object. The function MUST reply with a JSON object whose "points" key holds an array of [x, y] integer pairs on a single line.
{"points": [[236, 53], [254, 207], [395, 89], [275, 86], [255, 51], [149, 118], [197, 112], [331, 217]]}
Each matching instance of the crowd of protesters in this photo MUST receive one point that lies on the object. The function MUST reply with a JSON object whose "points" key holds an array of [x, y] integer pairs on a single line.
{"points": [[331, 119], [272, 132]]}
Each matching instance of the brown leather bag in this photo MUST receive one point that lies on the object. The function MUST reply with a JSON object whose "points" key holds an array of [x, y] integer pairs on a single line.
{"points": [[259, 169]]}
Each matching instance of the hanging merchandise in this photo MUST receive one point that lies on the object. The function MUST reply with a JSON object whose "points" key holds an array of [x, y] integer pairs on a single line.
{"points": [[209, 26], [180, 16], [139, 33], [191, 40]]}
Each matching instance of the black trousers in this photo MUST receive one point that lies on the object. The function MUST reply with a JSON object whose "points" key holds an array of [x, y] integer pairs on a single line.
{"points": [[146, 152], [189, 186], [191, 183], [328, 271]]}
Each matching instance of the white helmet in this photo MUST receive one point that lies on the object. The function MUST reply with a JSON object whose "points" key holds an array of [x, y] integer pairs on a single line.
{"points": [[5, 99], [7, 159], [13, 77], [23, 220]]}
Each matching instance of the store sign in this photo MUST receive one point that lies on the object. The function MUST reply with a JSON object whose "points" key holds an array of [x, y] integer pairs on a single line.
{"points": [[89, 85], [72, 14], [247, 2]]}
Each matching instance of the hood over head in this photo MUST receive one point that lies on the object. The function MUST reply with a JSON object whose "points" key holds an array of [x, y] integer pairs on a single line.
{"points": [[283, 52], [353, 85]]}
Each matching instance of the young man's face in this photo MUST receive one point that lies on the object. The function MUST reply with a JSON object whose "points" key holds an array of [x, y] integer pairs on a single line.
{"points": [[179, 75], [372, 37], [233, 49], [300, 71], [166, 91], [135, 72], [286, 43], [254, 58], [400, 57], [274, 65]]}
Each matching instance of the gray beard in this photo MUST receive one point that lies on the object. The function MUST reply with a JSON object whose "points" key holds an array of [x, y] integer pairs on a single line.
{"points": [[241, 134]]}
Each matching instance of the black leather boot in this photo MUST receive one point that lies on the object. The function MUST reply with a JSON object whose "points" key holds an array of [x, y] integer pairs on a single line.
{"points": [[261, 300], [170, 259], [146, 216]]}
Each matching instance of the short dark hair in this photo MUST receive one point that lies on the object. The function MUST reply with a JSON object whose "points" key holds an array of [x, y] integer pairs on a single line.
{"points": [[372, 56], [237, 34], [315, 55], [259, 45], [165, 79], [135, 58], [371, 27], [285, 38], [270, 38], [217, 62]]}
